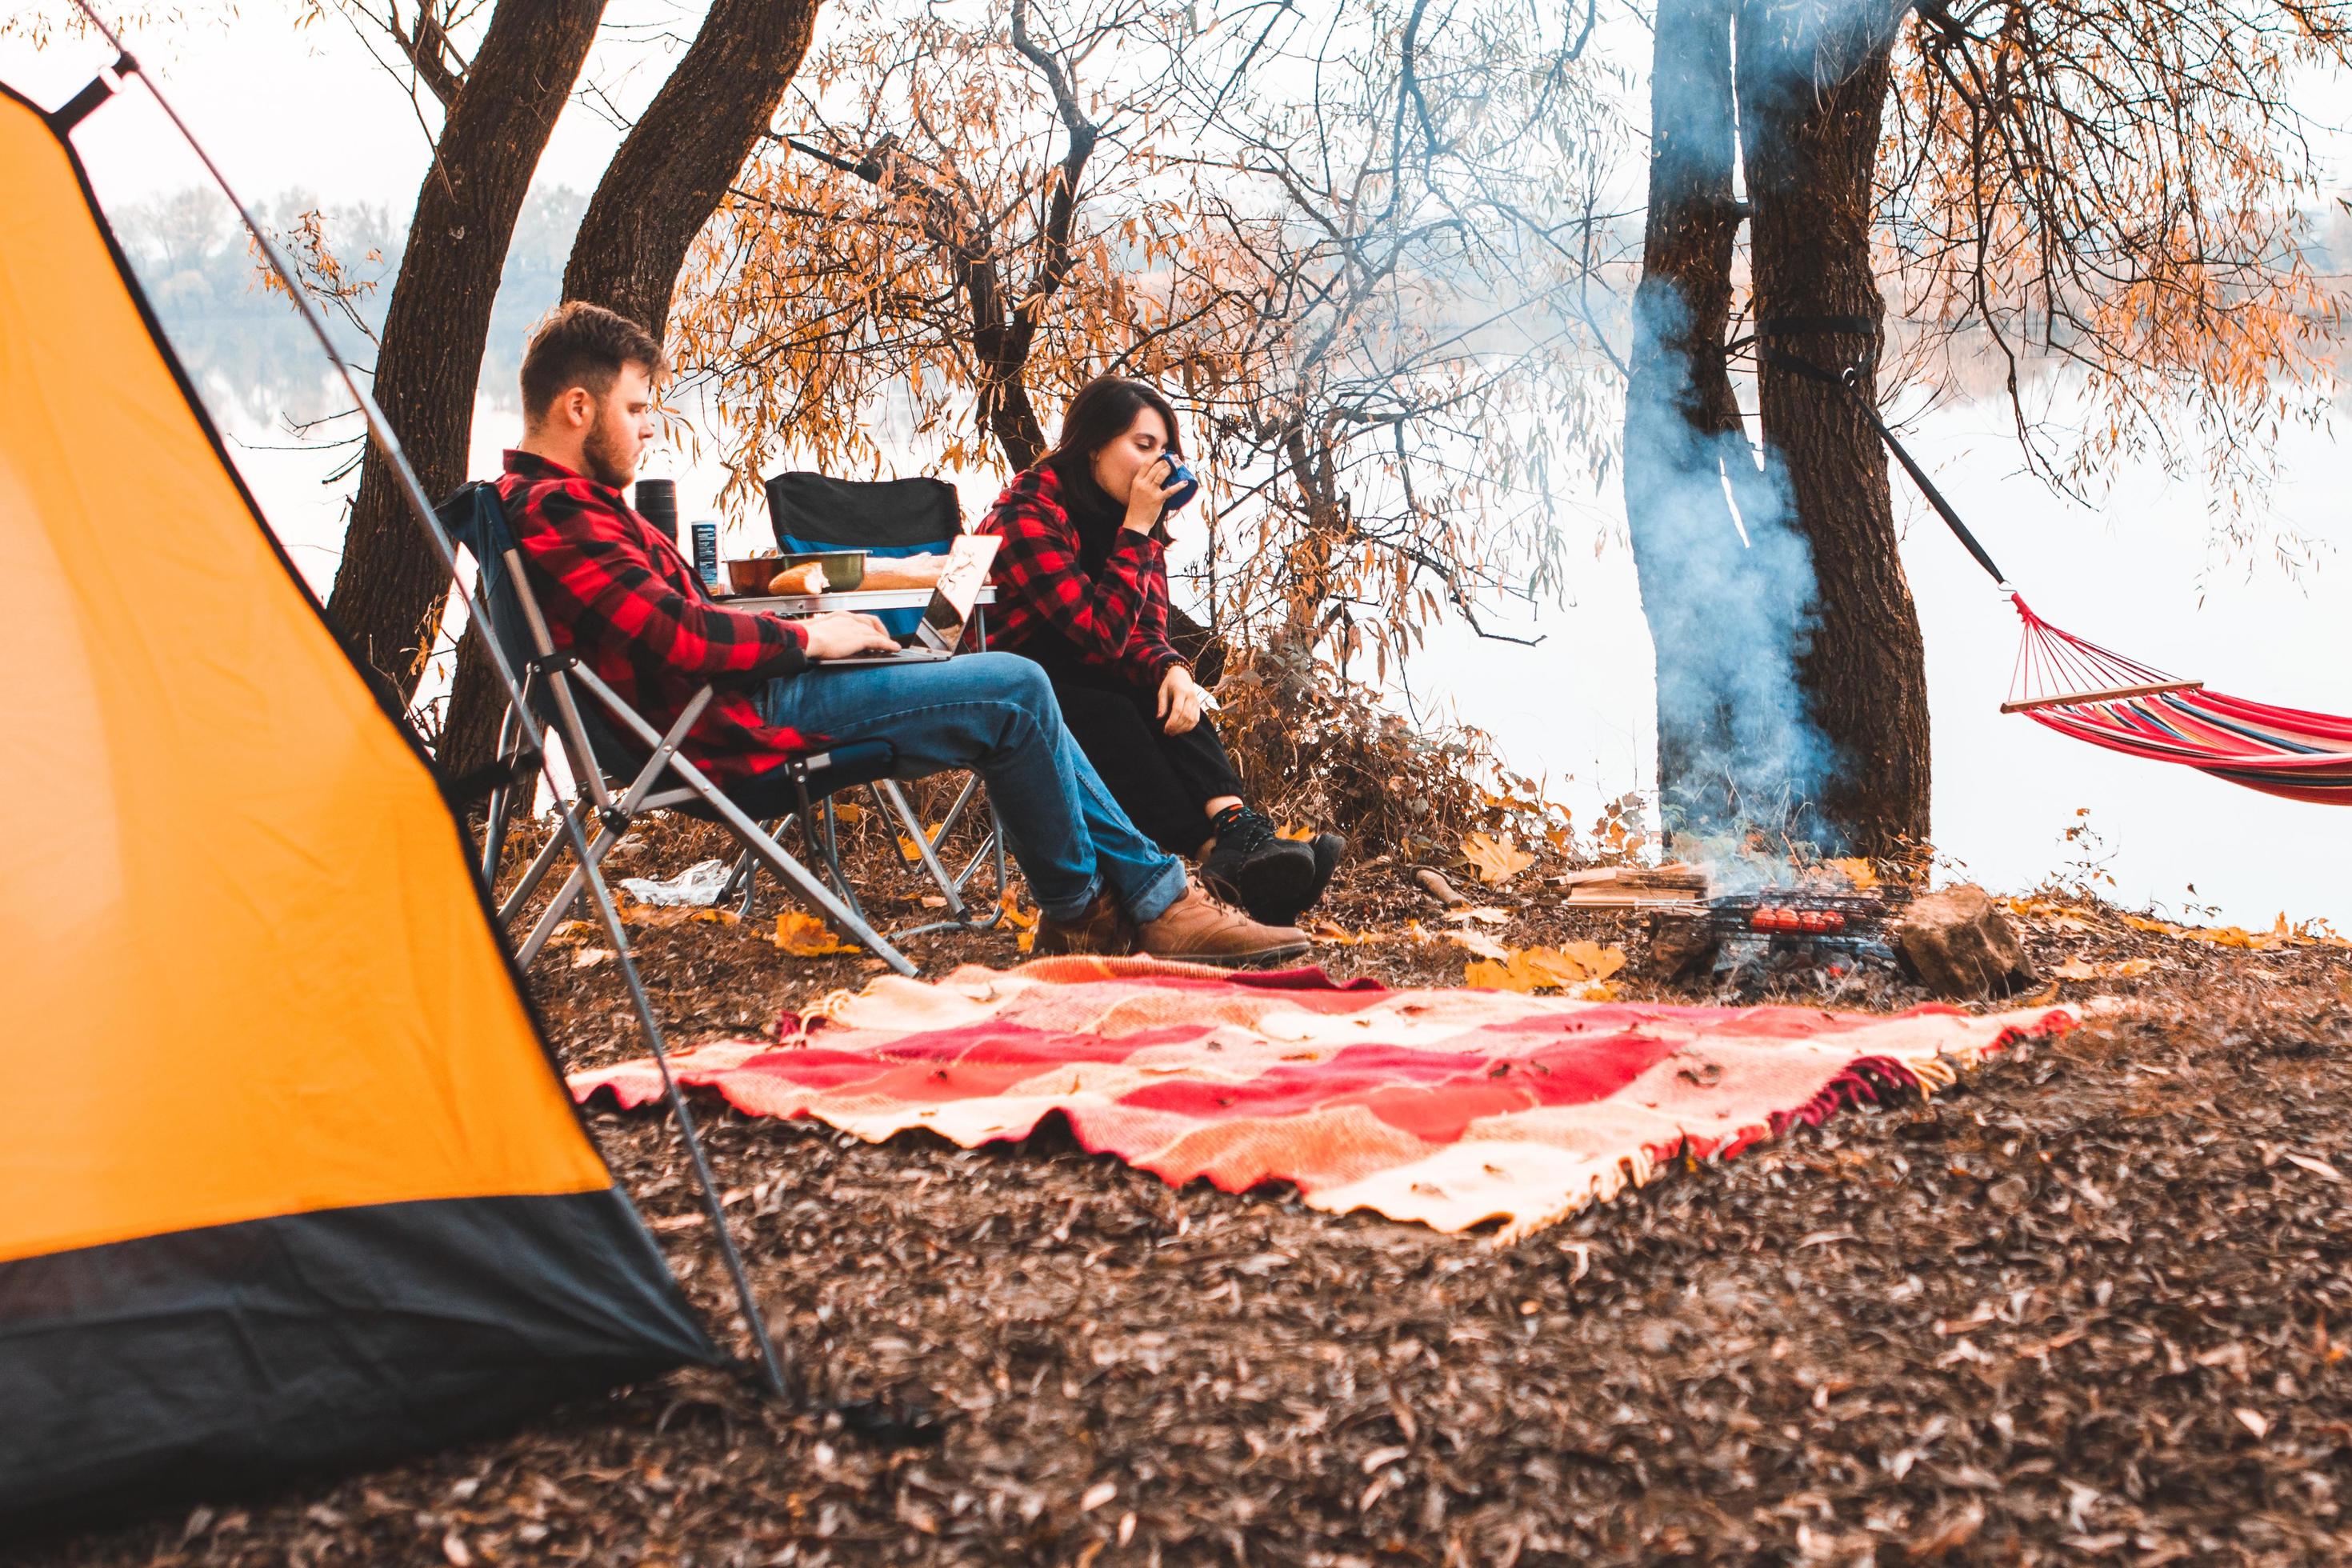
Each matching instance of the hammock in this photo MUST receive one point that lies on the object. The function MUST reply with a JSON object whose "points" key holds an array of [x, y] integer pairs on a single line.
{"points": [[2082, 689], [2095, 694]]}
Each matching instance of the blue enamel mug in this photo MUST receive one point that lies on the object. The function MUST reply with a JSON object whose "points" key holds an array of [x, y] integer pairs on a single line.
{"points": [[1186, 486]]}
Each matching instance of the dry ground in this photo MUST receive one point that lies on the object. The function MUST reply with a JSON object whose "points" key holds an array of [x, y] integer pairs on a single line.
{"points": [[2084, 1308]]}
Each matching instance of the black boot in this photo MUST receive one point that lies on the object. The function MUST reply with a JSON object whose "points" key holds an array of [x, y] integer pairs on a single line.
{"points": [[1328, 850], [1254, 869]]}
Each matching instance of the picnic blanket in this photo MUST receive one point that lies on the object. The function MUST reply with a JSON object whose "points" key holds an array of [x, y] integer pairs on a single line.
{"points": [[1453, 1107]]}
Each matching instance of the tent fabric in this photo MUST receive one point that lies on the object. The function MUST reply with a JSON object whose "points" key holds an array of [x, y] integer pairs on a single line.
{"points": [[1450, 1107], [259, 1013]]}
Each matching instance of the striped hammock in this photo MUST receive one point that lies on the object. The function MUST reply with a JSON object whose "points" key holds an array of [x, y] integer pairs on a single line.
{"points": [[2092, 694], [2095, 694]]}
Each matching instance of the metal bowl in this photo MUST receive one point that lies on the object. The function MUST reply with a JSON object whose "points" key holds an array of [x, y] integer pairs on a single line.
{"points": [[844, 569]]}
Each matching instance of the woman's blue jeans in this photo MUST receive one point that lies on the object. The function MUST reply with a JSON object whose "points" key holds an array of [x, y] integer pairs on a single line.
{"points": [[994, 713]]}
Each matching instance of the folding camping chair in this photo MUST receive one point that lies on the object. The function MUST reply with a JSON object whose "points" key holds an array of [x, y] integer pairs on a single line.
{"points": [[884, 517], [603, 736]]}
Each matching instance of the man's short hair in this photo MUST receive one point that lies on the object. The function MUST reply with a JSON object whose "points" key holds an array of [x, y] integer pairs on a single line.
{"points": [[580, 344]]}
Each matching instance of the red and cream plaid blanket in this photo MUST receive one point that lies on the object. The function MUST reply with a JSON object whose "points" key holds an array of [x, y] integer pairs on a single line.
{"points": [[1453, 1107]]}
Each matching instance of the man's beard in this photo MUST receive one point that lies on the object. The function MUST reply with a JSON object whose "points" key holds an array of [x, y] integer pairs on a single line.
{"points": [[601, 454]]}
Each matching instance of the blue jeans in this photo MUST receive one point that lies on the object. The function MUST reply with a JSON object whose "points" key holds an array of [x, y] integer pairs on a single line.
{"points": [[996, 714]]}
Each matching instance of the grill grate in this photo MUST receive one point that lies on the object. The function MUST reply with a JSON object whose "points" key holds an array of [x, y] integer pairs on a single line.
{"points": [[1791, 931]]}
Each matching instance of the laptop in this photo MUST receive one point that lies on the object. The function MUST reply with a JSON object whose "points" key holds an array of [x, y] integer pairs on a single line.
{"points": [[941, 631]]}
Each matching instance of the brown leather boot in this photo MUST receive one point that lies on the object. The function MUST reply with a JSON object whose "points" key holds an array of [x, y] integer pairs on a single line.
{"points": [[1104, 929], [1197, 930]]}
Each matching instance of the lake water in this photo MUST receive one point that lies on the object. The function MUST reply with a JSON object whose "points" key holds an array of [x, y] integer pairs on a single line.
{"points": [[2137, 574]]}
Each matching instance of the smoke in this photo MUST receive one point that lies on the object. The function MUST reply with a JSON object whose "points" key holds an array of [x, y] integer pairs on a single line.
{"points": [[1727, 588]]}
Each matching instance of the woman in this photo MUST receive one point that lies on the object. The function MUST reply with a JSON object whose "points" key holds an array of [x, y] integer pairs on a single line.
{"points": [[1082, 588]]}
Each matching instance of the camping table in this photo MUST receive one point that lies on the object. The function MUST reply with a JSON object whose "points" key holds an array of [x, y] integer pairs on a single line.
{"points": [[796, 605], [816, 604]]}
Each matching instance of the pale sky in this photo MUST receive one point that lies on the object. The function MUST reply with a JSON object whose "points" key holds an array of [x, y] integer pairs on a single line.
{"points": [[281, 109]]}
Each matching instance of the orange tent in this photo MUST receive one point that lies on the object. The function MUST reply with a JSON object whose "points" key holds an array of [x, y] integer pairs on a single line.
{"points": [[289, 1175]]}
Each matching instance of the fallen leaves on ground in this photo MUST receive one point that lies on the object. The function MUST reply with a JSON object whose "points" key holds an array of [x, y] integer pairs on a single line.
{"points": [[1020, 920], [1692, 1384], [2077, 969], [2043, 912], [2302, 933], [803, 935], [909, 851], [1857, 869], [1498, 860], [2318, 1167], [1576, 966], [664, 917], [655, 917], [1479, 942]]}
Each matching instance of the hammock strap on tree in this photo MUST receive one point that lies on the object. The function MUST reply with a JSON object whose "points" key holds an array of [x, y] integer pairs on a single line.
{"points": [[1852, 379], [2095, 694]]}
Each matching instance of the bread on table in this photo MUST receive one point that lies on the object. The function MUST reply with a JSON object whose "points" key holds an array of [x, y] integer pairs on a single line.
{"points": [[805, 578], [903, 571]]}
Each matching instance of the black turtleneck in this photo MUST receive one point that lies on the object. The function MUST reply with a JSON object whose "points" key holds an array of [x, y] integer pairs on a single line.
{"points": [[1096, 518]]}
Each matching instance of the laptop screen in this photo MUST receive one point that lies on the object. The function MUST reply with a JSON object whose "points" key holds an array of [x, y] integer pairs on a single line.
{"points": [[960, 581]]}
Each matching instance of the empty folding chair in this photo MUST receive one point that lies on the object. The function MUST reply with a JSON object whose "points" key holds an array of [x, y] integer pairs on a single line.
{"points": [[886, 518], [604, 738]]}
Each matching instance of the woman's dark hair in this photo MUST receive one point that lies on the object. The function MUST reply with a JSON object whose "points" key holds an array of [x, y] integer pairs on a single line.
{"points": [[1100, 415]]}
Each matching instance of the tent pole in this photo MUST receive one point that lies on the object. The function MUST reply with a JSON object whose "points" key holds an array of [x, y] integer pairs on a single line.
{"points": [[388, 442]]}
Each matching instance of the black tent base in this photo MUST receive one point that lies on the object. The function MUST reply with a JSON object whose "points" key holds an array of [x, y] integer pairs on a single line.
{"points": [[239, 1356]]}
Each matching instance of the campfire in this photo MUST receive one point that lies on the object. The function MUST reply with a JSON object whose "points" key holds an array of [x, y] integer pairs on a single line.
{"points": [[1811, 932], [1783, 932]]}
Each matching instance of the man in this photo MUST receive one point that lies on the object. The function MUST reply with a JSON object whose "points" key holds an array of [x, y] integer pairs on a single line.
{"points": [[619, 596]]}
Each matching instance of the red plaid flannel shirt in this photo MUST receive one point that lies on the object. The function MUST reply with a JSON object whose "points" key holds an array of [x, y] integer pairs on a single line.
{"points": [[621, 597], [1116, 618]]}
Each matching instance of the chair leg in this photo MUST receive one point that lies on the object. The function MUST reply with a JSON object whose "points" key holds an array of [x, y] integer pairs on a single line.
{"points": [[540, 863], [991, 850], [923, 848], [746, 875], [494, 835], [829, 851], [623, 816], [797, 879], [495, 815], [561, 905]]}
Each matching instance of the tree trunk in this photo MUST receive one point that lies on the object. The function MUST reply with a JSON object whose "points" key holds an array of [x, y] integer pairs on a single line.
{"points": [[1012, 418], [679, 159], [1811, 105], [388, 594], [669, 176], [1681, 418]]}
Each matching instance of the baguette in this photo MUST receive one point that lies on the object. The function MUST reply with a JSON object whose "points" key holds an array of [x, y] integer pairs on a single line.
{"points": [[903, 571], [805, 578]]}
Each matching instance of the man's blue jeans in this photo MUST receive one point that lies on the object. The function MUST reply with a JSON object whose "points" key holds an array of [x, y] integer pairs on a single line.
{"points": [[996, 714]]}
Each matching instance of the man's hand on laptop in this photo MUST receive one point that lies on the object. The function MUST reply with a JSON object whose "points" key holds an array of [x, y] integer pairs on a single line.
{"points": [[844, 634]]}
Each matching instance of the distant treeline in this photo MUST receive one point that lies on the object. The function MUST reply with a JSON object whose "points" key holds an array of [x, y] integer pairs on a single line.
{"points": [[246, 349], [255, 360]]}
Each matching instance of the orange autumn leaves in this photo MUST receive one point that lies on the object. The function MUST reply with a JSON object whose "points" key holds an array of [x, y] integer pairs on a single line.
{"points": [[1497, 860], [1580, 969]]}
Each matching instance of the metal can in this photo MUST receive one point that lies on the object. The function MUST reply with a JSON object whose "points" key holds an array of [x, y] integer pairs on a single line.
{"points": [[657, 504], [706, 553]]}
